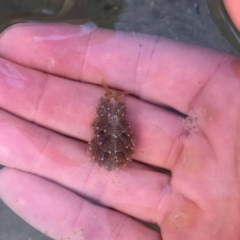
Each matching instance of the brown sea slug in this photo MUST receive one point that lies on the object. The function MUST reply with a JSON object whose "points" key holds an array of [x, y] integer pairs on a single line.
{"points": [[112, 144]]}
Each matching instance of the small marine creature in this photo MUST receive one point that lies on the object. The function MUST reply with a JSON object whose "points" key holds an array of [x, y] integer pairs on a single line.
{"points": [[112, 144]]}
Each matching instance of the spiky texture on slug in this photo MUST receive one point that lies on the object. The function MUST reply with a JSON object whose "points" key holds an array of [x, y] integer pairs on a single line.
{"points": [[112, 144]]}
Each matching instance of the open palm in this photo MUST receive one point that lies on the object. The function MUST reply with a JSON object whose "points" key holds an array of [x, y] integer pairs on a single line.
{"points": [[184, 111]]}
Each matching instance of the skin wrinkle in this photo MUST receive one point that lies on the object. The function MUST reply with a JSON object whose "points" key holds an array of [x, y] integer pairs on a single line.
{"points": [[191, 198], [172, 150], [103, 190], [209, 143], [40, 98], [101, 197], [163, 196], [37, 147], [75, 223], [35, 166], [77, 218], [85, 56], [61, 60], [137, 65], [198, 94], [140, 83], [120, 226], [83, 192], [181, 149], [176, 150]]}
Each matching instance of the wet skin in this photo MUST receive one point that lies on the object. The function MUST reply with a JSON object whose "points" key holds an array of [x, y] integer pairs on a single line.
{"points": [[183, 107]]}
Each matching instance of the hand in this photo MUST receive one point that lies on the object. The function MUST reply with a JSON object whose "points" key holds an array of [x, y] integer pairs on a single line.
{"points": [[233, 8], [184, 112]]}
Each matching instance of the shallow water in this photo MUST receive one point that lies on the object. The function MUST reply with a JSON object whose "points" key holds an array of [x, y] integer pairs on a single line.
{"points": [[184, 20], [74, 11]]}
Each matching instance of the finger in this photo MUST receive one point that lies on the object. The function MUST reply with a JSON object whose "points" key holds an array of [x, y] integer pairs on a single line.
{"points": [[157, 70], [69, 107], [64, 160], [61, 214], [233, 9]]}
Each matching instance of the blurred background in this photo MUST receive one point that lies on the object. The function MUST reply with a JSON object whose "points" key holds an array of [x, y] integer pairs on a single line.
{"points": [[182, 20]]}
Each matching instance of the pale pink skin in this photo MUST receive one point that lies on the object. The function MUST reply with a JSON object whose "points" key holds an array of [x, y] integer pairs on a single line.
{"points": [[233, 9], [45, 123]]}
